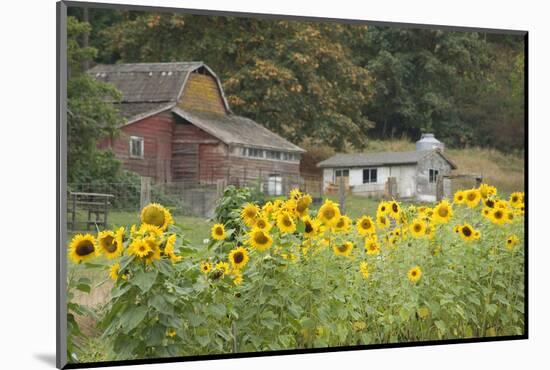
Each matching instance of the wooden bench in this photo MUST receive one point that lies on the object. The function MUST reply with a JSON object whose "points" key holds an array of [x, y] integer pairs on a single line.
{"points": [[95, 204]]}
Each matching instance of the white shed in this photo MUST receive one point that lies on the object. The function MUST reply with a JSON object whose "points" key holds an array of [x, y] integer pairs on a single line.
{"points": [[366, 174]]}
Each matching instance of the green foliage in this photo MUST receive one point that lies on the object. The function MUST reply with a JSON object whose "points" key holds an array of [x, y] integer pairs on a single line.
{"points": [[228, 208], [339, 84], [90, 117]]}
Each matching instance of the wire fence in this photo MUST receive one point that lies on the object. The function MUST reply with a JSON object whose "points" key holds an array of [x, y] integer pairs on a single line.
{"points": [[97, 205]]}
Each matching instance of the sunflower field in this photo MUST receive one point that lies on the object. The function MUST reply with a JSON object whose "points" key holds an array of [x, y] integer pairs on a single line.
{"points": [[281, 275]]}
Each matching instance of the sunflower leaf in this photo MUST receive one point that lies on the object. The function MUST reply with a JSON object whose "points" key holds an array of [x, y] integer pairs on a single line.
{"points": [[132, 317], [145, 280]]}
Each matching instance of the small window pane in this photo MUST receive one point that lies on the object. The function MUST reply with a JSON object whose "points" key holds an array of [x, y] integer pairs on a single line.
{"points": [[374, 175]]}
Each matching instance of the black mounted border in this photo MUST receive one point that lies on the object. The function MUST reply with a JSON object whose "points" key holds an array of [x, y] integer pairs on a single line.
{"points": [[61, 146]]}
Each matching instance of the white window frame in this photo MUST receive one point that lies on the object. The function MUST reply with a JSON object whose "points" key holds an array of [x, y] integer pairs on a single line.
{"points": [[369, 177], [141, 141], [342, 173], [269, 154]]}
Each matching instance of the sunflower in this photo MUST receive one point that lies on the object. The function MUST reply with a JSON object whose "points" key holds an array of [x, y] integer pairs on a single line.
{"points": [[365, 225], [418, 228], [154, 250], [156, 215], [516, 199], [268, 209], [486, 191], [394, 210], [295, 194], [364, 269], [169, 249], [499, 216], [249, 213], [218, 232], [459, 197], [382, 221], [262, 223], [489, 202], [110, 242], [383, 208], [223, 267], [467, 232], [285, 223], [302, 205], [206, 267], [260, 240], [442, 212], [343, 224], [372, 247], [329, 213], [512, 241], [311, 227], [472, 197], [139, 248], [237, 277], [171, 332], [238, 258], [486, 212], [148, 230], [414, 274], [113, 271], [343, 249], [82, 248]]}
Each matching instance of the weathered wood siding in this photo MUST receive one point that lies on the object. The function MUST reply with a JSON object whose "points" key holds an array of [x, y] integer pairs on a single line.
{"points": [[187, 142], [202, 93], [426, 191], [156, 132]]}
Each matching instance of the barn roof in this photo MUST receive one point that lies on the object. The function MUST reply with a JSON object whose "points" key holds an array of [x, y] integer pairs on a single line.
{"points": [[380, 159], [236, 130], [143, 84]]}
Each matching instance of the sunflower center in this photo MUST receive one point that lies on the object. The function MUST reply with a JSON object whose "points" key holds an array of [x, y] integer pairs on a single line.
{"points": [[309, 227], [466, 231], [498, 215], [340, 223], [443, 211], [109, 244], [383, 219], [153, 216], [301, 206], [238, 257], [413, 273], [342, 248], [250, 213], [219, 231], [84, 248], [261, 224], [365, 224], [260, 238], [471, 196], [514, 199], [417, 228], [394, 208], [490, 203], [329, 213]]}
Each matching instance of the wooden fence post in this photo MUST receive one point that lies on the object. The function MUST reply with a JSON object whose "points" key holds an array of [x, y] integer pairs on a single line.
{"points": [[342, 195], [439, 188], [145, 193]]}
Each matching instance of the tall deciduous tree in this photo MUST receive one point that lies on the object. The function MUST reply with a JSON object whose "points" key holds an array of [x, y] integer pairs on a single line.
{"points": [[90, 115]]}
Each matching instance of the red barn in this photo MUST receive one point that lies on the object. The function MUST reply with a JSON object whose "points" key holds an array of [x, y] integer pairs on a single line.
{"points": [[179, 127]]}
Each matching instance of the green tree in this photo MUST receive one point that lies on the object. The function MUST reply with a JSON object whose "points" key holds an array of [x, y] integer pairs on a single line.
{"points": [[90, 114]]}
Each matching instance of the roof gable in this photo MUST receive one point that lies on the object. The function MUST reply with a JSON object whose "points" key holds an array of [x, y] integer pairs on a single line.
{"points": [[380, 159]]}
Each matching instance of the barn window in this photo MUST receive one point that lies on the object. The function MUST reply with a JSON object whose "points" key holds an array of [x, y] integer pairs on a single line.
{"points": [[136, 147], [433, 175], [370, 175]]}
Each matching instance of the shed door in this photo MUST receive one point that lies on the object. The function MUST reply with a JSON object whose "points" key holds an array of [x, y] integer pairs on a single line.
{"points": [[185, 162]]}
